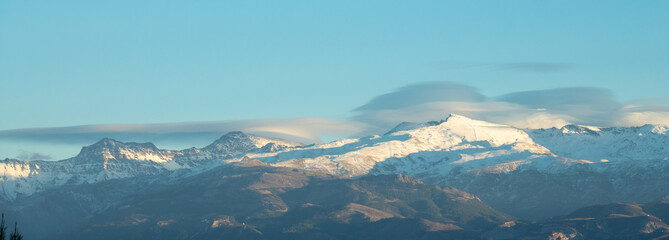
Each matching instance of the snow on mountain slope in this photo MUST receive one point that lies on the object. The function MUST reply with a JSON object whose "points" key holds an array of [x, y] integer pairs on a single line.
{"points": [[106, 159], [231, 145], [235, 143], [437, 148], [455, 142], [528, 173], [614, 145], [110, 159]]}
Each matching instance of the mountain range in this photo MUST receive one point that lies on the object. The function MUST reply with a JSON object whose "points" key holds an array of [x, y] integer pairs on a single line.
{"points": [[458, 177]]}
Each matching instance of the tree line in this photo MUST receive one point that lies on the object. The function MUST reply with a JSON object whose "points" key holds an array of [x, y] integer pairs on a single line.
{"points": [[16, 235]]}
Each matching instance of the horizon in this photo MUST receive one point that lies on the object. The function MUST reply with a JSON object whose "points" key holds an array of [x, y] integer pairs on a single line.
{"points": [[201, 139]]}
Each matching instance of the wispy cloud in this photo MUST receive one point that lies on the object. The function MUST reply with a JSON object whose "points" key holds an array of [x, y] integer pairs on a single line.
{"points": [[65, 142], [649, 102], [538, 67], [532, 67], [422, 93], [527, 109], [585, 105], [632, 115], [305, 129]]}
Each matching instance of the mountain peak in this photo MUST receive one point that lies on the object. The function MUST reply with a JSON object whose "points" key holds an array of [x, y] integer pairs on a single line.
{"points": [[458, 118], [467, 128], [406, 126], [229, 139], [108, 143], [105, 143], [237, 142], [108, 148], [572, 128], [235, 133]]}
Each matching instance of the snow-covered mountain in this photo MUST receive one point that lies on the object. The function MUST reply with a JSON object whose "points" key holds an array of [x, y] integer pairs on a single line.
{"points": [[111, 159], [617, 144], [434, 149], [528, 173]]}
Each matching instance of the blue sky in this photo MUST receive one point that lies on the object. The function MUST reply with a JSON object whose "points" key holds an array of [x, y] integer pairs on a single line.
{"points": [[68, 63]]}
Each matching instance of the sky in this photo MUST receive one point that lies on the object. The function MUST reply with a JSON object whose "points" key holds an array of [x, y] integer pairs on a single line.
{"points": [[72, 72]]}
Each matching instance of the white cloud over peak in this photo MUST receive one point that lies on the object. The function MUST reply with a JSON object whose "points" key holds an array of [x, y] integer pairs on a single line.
{"points": [[526, 109]]}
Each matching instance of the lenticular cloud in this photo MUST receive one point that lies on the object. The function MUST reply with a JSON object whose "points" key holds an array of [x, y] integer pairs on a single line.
{"points": [[527, 109]]}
